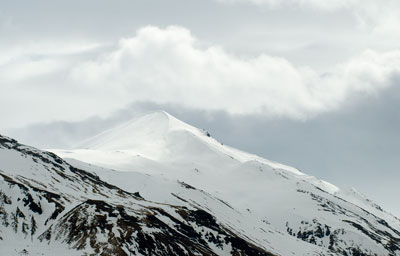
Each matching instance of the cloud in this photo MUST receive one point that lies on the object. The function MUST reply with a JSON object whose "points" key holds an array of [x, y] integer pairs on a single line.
{"points": [[318, 4], [379, 18], [325, 5], [33, 59], [172, 66]]}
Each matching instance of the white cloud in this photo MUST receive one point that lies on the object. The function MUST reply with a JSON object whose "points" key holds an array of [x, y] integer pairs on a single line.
{"points": [[377, 17], [33, 59], [172, 66], [321, 4], [169, 66]]}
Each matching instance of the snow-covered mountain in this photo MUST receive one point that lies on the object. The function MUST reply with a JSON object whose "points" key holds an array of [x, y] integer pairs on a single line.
{"points": [[158, 186], [49, 207]]}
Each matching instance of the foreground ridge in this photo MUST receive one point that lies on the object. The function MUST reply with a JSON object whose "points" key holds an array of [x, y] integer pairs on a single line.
{"points": [[48, 206], [271, 196], [158, 186]]}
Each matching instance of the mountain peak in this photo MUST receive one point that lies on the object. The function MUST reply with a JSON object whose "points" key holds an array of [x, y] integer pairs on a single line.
{"points": [[156, 119], [160, 136], [157, 115], [152, 135], [160, 117]]}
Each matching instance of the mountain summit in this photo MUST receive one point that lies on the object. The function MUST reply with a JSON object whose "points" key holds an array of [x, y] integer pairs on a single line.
{"points": [[161, 137], [148, 131], [171, 189]]}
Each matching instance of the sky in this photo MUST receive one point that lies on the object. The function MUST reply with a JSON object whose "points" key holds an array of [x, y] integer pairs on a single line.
{"points": [[310, 83]]}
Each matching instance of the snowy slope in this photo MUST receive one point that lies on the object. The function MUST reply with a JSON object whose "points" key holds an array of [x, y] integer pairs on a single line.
{"points": [[49, 207], [158, 136], [156, 150]]}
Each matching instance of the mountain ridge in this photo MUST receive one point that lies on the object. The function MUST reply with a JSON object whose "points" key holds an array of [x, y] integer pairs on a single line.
{"points": [[157, 125], [209, 193], [74, 212], [241, 179]]}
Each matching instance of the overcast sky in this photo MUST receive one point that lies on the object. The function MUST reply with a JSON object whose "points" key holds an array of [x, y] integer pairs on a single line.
{"points": [[310, 83]]}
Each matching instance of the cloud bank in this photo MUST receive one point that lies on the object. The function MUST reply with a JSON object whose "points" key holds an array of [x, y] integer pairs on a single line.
{"points": [[171, 66], [327, 5], [380, 18]]}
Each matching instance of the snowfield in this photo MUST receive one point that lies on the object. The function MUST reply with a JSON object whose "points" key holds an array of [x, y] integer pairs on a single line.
{"points": [[156, 176]]}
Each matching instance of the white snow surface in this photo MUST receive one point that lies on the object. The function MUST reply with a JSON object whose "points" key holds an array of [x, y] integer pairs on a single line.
{"points": [[41, 174], [149, 154]]}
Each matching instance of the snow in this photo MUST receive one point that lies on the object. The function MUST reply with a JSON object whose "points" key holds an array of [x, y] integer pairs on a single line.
{"points": [[172, 164], [151, 153]]}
